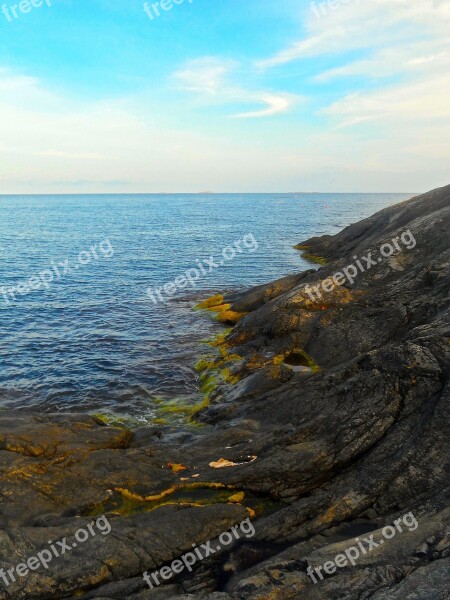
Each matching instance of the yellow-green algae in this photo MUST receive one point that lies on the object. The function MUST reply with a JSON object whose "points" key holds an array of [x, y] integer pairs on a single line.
{"points": [[258, 361], [255, 362], [208, 383], [115, 421], [223, 311], [216, 300], [179, 408], [160, 421], [204, 364], [168, 412], [217, 362], [228, 377], [124, 502], [214, 369], [314, 258], [219, 339], [298, 356]]}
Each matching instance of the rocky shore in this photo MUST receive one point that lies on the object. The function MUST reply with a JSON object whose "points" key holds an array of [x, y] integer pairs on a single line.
{"points": [[326, 418]]}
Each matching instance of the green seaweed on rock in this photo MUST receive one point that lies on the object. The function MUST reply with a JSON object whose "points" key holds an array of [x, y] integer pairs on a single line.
{"points": [[314, 258], [223, 311]]}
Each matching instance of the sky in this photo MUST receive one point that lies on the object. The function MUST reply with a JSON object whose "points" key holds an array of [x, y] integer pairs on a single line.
{"points": [[109, 96]]}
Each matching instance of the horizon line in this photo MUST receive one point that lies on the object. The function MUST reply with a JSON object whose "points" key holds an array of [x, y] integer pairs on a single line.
{"points": [[193, 193]]}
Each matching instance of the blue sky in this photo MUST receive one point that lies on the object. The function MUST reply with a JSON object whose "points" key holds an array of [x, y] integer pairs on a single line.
{"points": [[226, 95]]}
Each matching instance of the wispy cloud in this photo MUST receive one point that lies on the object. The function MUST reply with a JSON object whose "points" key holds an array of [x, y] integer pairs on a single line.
{"points": [[403, 48], [419, 103], [315, 44], [419, 58], [275, 104], [369, 24], [212, 79], [205, 75]]}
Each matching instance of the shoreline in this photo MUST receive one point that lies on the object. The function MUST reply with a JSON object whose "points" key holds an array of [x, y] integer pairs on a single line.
{"points": [[344, 445]]}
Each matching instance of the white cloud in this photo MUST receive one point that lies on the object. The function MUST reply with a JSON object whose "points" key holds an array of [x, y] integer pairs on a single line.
{"points": [[211, 79], [367, 24], [316, 44], [418, 102], [275, 104], [422, 58]]}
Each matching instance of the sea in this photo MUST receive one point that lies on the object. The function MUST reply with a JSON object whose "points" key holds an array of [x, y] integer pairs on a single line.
{"points": [[82, 325]]}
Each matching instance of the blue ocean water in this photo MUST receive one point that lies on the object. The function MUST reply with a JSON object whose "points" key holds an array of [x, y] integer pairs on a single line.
{"points": [[92, 339]]}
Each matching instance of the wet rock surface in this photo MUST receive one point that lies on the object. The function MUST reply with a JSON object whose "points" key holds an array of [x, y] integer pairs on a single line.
{"points": [[317, 458]]}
